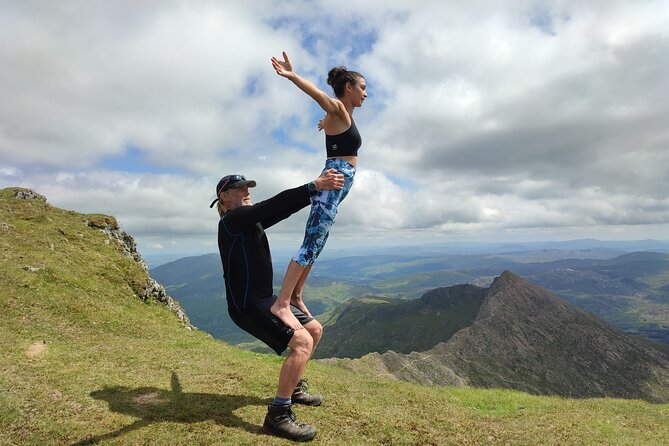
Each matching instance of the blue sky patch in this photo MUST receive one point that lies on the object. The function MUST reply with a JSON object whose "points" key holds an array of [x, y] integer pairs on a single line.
{"points": [[404, 183], [542, 19], [253, 86], [349, 35], [134, 160], [283, 136]]}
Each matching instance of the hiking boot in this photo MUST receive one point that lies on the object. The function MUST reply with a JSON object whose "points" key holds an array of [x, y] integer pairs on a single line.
{"points": [[281, 421], [300, 395]]}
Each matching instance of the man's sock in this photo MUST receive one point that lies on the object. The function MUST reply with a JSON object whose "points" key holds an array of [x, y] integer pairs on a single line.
{"points": [[281, 401]]}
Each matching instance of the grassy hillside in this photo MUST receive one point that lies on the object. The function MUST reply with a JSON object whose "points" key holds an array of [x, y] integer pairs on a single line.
{"points": [[84, 361]]}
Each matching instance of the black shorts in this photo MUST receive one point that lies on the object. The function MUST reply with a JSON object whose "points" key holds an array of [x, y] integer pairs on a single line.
{"points": [[257, 320]]}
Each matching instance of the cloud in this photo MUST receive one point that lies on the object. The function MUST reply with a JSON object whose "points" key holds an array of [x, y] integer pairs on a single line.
{"points": [[172, 80], [485, 119], [566, 102]]}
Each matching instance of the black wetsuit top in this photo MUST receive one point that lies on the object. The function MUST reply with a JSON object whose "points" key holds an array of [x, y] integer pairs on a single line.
{"points": [[244, 249], [344, 144]]}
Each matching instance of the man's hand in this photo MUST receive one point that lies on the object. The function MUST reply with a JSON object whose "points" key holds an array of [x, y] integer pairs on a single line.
{"points": [[331, 179]]}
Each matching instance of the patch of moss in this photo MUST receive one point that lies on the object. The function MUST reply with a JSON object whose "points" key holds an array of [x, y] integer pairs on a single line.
{"points": [[100, 221]]}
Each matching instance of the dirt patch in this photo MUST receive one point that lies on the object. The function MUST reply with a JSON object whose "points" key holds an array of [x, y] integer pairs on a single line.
{"points": [[36, 349], [150, 399]]}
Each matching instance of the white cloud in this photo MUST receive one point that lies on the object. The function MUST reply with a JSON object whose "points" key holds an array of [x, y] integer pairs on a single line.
{"points": [[485, 119], [171, 80]]}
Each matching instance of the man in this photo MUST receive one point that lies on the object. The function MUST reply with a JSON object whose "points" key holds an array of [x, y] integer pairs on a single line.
{"points": [[247, 268]]}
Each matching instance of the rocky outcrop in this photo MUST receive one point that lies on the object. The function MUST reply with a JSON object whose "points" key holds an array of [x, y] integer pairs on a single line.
{"points": [[156, 292], [118, 236], [39, 212], [152, 291], [28, 194]]}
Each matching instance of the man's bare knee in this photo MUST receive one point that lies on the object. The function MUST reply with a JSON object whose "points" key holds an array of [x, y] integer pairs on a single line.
{"points": [[301, 342], [315, 329]]}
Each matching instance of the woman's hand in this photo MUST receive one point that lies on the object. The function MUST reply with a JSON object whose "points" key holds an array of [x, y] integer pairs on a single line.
{"points": [[283, 69], [321, 124], [329, 105]]}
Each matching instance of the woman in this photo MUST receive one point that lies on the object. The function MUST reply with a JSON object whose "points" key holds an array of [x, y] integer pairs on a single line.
{"points": [[342, 141]]}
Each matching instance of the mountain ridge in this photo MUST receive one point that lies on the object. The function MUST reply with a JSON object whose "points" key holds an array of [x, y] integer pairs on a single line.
{"points": [[528, 339]]}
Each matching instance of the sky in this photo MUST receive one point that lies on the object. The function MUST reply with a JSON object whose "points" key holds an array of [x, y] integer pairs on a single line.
{"points": [[486, 120]]}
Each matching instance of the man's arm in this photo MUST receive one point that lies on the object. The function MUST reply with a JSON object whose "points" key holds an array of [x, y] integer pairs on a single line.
{"points": [[280, 206], [331, 179], [274, 219]]}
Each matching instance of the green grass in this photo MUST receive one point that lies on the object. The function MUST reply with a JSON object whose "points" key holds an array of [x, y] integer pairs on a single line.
{"points": [[116, 370]]}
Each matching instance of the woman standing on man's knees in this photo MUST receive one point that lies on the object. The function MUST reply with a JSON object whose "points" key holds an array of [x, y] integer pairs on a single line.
{"points": [[342, 141]]}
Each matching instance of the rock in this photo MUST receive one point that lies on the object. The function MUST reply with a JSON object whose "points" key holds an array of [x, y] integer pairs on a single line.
{"points": [[156, 292], [121, 238], [29, 194], [153, 291]]}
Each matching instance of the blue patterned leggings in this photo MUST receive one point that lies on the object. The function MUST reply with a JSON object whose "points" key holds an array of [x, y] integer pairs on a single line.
{"points": [[323, 213]]}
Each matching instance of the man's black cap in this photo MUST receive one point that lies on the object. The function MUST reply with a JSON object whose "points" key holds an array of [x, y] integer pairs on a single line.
{"points": [[231, 182]]}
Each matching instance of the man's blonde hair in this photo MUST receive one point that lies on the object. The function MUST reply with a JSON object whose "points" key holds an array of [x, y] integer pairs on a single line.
{"points": [[220, 207]]}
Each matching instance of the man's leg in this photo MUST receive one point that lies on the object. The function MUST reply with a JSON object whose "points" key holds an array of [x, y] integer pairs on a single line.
{"points": [[301, 347], [300, 393], [280, 420], [315, 329]]}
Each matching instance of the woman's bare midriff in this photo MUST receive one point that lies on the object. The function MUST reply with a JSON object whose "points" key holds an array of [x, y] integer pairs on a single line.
{"points": [[353, 160]]}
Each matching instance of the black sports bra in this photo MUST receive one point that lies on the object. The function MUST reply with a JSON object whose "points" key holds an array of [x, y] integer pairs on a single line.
{"points": [[343, 144]]}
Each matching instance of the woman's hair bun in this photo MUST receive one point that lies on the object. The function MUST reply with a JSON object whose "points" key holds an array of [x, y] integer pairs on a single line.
{"points": [[334, 73], [338, 77]]}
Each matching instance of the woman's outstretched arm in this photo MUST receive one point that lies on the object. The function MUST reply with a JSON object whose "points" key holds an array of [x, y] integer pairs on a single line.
{"points": [[285, 69]]}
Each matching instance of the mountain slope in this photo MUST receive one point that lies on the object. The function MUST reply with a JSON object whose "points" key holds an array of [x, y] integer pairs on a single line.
{"points": [[526, 338], [378, 324], [83, 360]]}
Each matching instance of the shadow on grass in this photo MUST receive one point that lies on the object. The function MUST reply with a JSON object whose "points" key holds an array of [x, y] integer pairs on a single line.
{"points": [[152, 405]]}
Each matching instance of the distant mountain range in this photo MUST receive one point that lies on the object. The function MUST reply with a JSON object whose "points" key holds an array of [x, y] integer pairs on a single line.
{"points": [[523, 337], [503, 332], [629, 290]]}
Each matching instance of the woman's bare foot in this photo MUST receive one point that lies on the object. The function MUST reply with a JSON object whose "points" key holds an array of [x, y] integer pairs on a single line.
{"points": [[286, 316], [299, 303]]}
